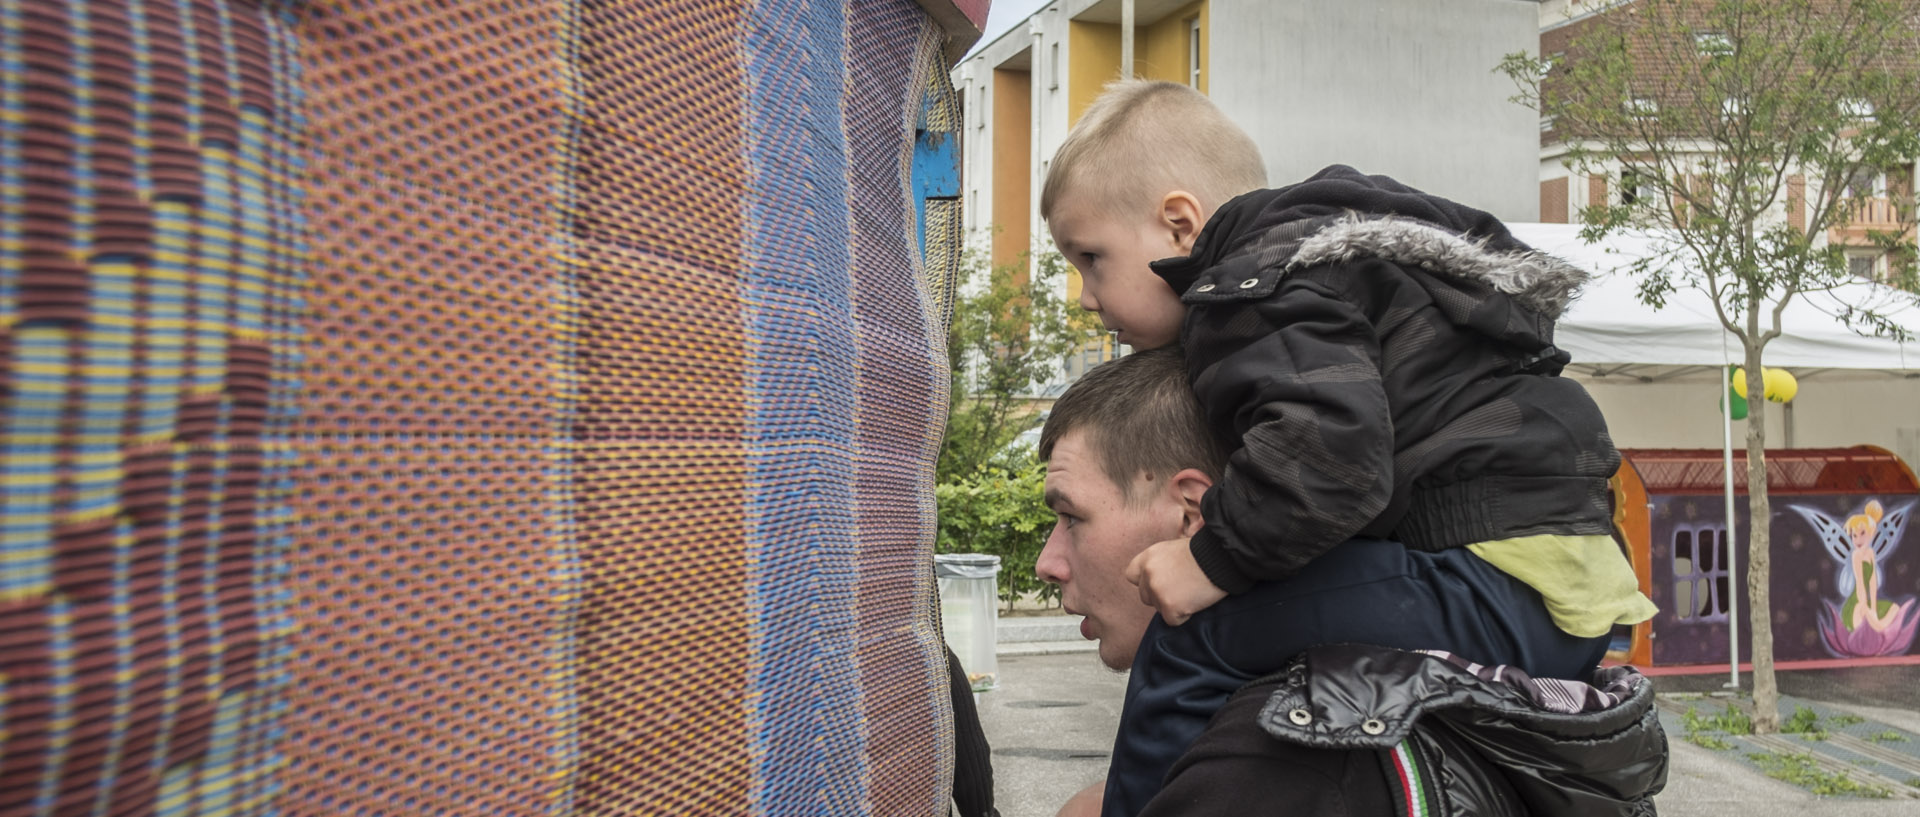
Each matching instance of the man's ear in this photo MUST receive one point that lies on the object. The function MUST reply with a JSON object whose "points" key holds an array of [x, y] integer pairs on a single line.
{"points": [[1187, 488], [1181, 216]]}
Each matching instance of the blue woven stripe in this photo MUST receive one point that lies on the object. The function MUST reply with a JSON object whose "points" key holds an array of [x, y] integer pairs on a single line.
{"points": [[13, 68], [801, 371], [287, 258], [32, 427], [61, 693], [568, 578], [122, 664]]}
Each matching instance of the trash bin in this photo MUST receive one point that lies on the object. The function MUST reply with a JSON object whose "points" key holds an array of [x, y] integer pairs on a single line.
{"points": [[969, 609]]}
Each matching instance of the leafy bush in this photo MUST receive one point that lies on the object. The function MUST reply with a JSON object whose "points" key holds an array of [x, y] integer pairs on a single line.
{"points": [[1804, 722], [1800, 770], [1708, 741], [1732, 721], [1000, 510]]}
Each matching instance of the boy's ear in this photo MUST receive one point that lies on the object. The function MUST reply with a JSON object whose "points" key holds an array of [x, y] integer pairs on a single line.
{"points": [[1181, 216], [1188, 487]]}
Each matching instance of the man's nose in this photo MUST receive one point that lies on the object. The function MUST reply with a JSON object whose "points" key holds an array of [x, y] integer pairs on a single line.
{"points": [[1051, 566]]}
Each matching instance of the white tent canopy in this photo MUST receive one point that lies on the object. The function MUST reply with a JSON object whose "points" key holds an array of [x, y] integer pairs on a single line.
{"points": [[1608, 327]]}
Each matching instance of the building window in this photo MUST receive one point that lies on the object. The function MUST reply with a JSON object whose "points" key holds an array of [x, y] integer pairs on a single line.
{"points": [[1866, 266], [1641, 107], [1635, 189], [1865, 182], [1700, 581], [1546, 124], [1856, 108], [1713, 44], [1193, 52], [1053, 67]]}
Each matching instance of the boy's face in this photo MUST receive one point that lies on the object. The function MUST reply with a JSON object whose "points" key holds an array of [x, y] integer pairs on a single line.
{"points": [[1096, 535], [1112, 252]]}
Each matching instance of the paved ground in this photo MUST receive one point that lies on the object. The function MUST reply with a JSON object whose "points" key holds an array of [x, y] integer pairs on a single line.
{"points": [[1051, 724], [1892, 691]]}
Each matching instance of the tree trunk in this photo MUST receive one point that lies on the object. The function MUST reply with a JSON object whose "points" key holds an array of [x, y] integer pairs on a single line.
{"points": [[1766, 693]]}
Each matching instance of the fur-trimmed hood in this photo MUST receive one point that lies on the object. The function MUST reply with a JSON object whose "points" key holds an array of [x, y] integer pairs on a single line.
{"points": [[1535, 280], [1342, 215]]}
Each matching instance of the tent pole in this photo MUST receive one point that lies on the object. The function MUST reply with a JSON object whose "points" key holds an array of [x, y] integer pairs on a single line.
{"points": [[1733, 575]]}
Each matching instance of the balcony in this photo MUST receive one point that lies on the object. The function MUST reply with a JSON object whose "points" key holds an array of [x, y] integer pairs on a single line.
{"points": [[1875, 214]]}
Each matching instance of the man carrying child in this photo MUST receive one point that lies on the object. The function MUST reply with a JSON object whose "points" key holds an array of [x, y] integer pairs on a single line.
{"points": [[1343, 730], [1403, 465]]}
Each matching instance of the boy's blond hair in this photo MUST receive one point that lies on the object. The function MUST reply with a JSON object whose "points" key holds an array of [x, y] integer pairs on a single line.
{"points": [[1142, 139]]}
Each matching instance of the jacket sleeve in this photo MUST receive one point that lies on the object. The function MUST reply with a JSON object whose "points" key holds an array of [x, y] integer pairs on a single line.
{"points": [[1295, 378]]}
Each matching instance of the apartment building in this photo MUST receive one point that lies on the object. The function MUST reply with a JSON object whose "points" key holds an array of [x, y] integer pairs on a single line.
{"points": [[1401, 87], [1566, 190]]}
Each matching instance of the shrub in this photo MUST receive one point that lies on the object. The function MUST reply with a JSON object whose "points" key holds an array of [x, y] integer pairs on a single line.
{"points": [[1000, 510]]}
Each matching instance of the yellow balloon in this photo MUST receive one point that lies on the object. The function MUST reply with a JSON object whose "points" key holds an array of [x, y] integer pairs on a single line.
{"points": [[1781, 385], [1740, 382]]}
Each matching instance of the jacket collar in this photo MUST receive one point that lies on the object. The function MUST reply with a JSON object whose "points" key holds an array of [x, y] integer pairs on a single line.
{"points": [[1276, 230]]}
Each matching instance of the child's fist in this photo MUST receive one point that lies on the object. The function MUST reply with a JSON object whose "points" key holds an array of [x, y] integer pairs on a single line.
{"points": [[1172, 582]]}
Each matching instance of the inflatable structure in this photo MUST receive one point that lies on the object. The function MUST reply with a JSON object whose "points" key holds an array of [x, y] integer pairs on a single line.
{"points": [[493, 407]]}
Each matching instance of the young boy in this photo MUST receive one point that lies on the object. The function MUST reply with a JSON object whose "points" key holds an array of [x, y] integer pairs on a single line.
{"points": [[1379, 365]]}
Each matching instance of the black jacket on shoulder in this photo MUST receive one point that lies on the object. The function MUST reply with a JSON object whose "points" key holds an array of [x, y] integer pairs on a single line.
{"points": [[1380, 362], [1505, 744]]}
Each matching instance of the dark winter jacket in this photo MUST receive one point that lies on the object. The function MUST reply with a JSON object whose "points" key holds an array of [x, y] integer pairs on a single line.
{"points": [[1504, 743], [1380, 362], [1185, 678]]}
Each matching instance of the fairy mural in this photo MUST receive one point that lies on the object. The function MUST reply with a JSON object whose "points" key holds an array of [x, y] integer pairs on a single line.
{"points": [[1864, 622], [1844, 581]]}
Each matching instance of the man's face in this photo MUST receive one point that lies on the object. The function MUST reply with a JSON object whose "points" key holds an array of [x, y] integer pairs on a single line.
{"points": [[1112, 253], [1096, 535]]}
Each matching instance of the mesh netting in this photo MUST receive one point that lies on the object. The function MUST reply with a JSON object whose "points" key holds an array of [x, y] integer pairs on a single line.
{"points": [[472, 406]]}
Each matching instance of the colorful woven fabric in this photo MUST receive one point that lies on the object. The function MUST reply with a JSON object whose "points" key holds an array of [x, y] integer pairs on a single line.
{"points": [[483, 407]]}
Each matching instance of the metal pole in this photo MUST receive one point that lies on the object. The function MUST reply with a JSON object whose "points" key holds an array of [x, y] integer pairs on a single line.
{"points": [[1126, 39], [1733, 543]]}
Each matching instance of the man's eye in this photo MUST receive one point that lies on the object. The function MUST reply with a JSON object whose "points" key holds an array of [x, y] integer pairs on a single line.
{"points": [[1069, 520]]}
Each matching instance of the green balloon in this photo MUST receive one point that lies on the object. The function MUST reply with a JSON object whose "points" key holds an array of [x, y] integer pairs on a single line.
{"points": [[1739, 404]]}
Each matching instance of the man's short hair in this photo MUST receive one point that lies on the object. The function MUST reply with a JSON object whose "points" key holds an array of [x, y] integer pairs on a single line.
{"points": [[1140, 417], [1141, 140]]}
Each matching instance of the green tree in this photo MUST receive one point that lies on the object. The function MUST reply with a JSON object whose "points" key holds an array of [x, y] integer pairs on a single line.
{"points": [[1732, 130], [1010, 335]]}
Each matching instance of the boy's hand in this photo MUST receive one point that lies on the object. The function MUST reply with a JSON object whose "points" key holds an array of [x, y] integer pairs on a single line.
{"points": [[1172, 582]]}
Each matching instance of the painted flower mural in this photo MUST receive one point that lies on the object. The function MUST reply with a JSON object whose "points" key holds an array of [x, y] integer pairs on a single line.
{"points": [[1863, 623]]}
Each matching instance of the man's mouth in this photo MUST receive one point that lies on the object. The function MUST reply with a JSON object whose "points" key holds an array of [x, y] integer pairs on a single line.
{"points": [[1086, 624]]}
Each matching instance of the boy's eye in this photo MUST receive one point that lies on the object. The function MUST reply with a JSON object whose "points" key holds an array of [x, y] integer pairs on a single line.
{"points": [[1069, 520]]}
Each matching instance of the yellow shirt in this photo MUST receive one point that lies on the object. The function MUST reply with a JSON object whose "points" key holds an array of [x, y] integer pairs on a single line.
{"points": [[1586, 581]]}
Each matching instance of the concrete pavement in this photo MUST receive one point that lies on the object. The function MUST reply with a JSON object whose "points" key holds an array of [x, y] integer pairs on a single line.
{"points": [[1052, 719]]}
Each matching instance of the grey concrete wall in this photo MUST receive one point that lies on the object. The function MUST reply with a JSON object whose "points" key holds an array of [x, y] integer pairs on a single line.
{"points": [[1401, 87]]}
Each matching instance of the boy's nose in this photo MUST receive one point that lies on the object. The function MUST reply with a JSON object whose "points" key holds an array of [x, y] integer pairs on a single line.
{"points": [[1087, 301]]}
